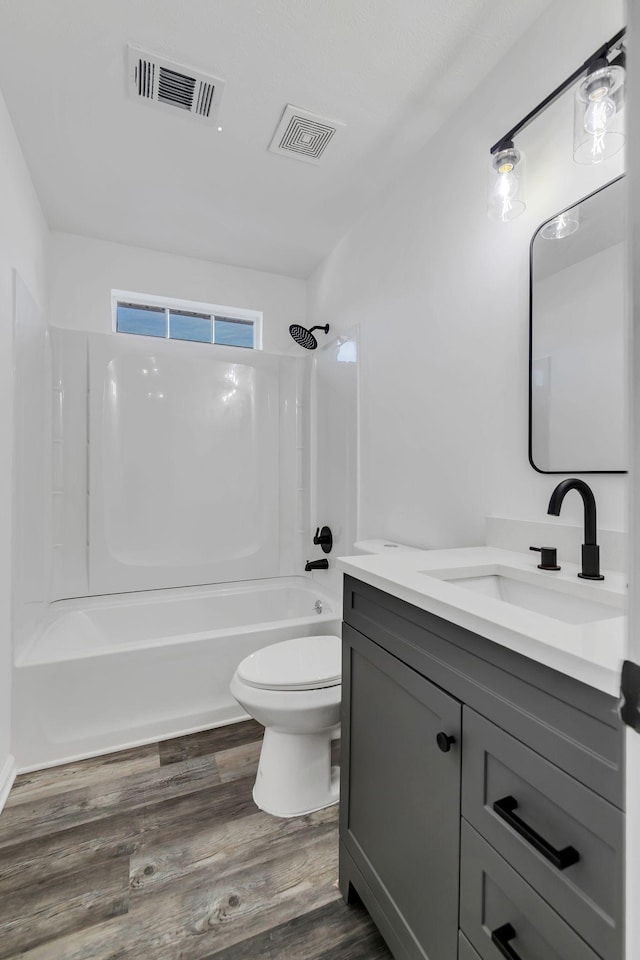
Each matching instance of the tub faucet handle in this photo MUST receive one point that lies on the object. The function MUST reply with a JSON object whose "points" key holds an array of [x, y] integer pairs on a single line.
{"points": [[323, 538]]}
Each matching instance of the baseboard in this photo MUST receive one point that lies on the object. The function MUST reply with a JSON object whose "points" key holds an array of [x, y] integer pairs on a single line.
{"points": [[7, 776]]}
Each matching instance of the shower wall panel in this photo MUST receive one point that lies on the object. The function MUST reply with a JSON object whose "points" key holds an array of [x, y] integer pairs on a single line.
{"points": [[31, 464], [334, 462], [183, 464], [69, 426]]}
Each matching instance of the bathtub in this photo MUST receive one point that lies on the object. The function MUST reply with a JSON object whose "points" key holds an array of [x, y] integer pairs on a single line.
{"points": [[107, 673]]}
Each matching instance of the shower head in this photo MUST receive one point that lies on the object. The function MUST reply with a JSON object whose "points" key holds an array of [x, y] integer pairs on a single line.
{"points": [[305, 337]]}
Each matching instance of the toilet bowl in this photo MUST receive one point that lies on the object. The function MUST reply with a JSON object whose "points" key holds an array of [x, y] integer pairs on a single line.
{"points": [[293, 689]]}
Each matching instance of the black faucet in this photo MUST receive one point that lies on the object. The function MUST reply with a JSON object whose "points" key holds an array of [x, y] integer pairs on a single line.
{"points": [[316, 565], [590, 549]]}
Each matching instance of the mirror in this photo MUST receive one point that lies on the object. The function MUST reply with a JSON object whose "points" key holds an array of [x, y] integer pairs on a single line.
{"points": [[577, 361]]}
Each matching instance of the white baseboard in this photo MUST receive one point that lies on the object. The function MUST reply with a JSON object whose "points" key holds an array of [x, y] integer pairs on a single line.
{"points": [[7, 776]]}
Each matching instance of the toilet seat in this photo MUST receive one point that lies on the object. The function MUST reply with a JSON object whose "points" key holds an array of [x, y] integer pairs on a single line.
{"points": [[304, 663]]}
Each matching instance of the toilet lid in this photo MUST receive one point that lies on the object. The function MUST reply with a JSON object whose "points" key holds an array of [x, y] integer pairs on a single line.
{"points": [[304, 663]]}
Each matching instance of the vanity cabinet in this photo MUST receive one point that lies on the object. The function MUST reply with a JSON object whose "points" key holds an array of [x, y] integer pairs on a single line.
{"points": [[403, 792], [481, 793]]}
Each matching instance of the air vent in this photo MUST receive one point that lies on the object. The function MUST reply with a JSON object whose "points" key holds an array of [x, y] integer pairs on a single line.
{"points": [[169, 85], [303, 135]]}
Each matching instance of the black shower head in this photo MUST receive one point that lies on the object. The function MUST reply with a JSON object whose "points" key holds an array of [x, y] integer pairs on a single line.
{"points": [[305, 337]]}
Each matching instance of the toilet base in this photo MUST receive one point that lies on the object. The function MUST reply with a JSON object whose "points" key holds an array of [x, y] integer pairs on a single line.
{"points": [[295, 776]]}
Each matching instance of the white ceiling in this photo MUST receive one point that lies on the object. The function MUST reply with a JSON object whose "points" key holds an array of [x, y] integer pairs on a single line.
{"points": [[105, 166]]}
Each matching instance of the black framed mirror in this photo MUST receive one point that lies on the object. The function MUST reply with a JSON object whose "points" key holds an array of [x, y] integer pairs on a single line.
{"points": [[578, 337]]}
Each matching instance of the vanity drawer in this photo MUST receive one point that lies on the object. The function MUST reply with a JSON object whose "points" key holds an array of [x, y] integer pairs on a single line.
{"points": [[496, 903], [556, 818], [465, 950]]}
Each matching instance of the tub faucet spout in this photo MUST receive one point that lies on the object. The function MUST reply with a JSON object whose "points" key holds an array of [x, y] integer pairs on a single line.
{"points": [[316, 565], [590, 548]]}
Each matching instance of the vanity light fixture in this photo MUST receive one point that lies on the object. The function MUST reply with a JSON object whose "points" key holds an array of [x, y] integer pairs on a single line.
{"points": [[598, 101], [506, 183]]}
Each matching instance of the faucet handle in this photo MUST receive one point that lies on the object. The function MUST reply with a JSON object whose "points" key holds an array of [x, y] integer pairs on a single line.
{"points": [[548, 558], [324, 538]]}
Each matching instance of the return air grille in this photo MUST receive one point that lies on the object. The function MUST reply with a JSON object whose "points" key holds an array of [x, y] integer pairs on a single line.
{"points": [[176, 88], [169, 85], [303, 135]]}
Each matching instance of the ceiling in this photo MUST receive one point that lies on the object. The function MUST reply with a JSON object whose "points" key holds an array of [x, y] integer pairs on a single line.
{"points": [[105, 166]]}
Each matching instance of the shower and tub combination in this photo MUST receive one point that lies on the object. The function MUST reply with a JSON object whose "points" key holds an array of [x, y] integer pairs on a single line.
{"points": [[106, 673], [179, 503]]}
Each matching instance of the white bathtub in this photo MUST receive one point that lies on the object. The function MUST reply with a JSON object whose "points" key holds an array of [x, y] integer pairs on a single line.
{"points": [[106, 673]]}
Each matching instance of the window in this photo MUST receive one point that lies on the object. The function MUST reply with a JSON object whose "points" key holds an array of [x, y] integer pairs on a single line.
{"points": [[135, 318], [181, 320], [238, 333]]}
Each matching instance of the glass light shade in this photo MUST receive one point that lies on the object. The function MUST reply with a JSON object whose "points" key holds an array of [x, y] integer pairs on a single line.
{"points": [[506, 185], [561, 226], [597, 126]]}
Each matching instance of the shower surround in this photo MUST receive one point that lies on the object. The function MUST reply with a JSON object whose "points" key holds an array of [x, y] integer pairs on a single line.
{"points": [[191, 457], [181, 491]]}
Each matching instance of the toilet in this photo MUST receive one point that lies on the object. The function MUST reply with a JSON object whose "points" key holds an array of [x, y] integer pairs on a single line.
{"points": [[293, 689]]}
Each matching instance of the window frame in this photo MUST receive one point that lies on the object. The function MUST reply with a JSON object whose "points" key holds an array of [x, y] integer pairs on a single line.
{"points": [[169, 304]]}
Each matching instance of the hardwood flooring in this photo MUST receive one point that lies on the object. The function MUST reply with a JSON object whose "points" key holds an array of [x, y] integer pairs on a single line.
{"points": [[159, 853]]}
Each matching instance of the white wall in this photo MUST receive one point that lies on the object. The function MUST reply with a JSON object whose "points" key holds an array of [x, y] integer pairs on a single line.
{"points": [[22, 248], [83, 272], [441, 297]]}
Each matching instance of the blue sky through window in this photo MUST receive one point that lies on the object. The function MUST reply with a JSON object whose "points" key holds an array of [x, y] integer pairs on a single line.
{"points": [[189, 326], [234, 333], [156, 321], [142, 320]]}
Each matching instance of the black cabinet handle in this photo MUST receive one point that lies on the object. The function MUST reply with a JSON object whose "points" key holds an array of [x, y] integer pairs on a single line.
{"points": [[500, 938], [444, 742], [559, 858]]}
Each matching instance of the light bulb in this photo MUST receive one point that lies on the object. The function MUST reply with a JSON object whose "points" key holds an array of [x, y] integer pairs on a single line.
{"points": [[598, 114], [599, 98], [596, 120], [505, 184]]}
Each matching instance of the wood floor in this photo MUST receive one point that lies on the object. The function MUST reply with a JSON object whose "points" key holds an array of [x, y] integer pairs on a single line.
{"points": [[159, 853]]}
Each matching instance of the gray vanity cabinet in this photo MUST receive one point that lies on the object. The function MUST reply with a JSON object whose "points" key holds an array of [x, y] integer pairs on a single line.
{"points": [[401, 803], [465, 950], [481, 793]]}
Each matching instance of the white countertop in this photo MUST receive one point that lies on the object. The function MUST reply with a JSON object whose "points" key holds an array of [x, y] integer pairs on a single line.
{"points": [[590, 652]]}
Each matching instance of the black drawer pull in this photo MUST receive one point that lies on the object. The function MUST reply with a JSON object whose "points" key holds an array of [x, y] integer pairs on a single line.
{"points": [[501, 937], [559, 858]]}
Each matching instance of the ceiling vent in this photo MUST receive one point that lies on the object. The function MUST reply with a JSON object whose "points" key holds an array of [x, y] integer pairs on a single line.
{"points": [[303, 135], [170, 86]]}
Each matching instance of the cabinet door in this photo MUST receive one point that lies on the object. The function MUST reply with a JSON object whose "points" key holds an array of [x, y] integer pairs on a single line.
{"points": [[400, 803]]}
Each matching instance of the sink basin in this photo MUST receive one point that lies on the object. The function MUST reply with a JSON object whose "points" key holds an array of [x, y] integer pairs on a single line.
{"points": [[557, 599]]}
